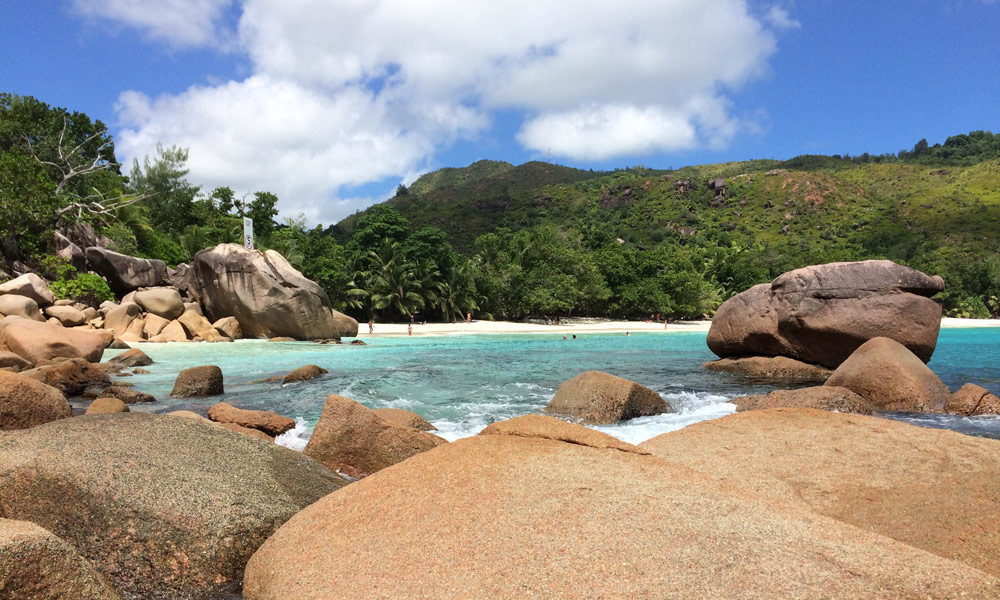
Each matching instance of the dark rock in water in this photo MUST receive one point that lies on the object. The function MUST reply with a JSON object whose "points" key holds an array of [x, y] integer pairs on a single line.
{"points": [[358, 343], [164, 507], [132, 358], [281, 339], [521, 513], [820, 314], [819, 397], [885, 373], [304, 373], [126, 273], [599, 398], [268, 296], [198, 381], [972, 400], [127, 395], [105, 405], [36, 565], [772, 368]]}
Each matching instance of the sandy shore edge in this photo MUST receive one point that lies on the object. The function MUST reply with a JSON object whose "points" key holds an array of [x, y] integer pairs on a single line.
{"points": [[582, 327]]}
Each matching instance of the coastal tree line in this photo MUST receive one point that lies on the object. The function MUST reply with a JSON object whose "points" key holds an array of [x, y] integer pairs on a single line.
{"points": [[58, 168]]}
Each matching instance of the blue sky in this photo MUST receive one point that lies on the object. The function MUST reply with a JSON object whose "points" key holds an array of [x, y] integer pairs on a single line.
{"points": [[331, 104]]}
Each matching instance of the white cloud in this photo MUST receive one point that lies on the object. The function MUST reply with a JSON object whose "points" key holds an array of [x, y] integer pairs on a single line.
{"points": [[177, 22], [345, 92], [779, 18]]}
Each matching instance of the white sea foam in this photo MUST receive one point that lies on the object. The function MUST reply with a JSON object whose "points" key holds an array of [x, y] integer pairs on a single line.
{"points": [[297, 437]]}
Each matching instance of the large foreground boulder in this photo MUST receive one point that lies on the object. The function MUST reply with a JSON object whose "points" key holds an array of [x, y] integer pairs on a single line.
{"points": [[351, 439], [164, 507], [26, 402], [126, 273], [36, 565], [885, 373], [599, 398], [932, 489], [35, 340], [820, 314], [520, 513], [268, 296]]}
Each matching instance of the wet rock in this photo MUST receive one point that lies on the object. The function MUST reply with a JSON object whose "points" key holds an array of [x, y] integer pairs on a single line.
{"points": [[266, 421], [351, 439], [972, 400], [198, 382], [304, 373], [771, 368], [818, 397], [599, 398]]}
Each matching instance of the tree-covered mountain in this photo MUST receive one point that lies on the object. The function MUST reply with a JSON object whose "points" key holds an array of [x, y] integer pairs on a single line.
{"points": [[538, 239]]}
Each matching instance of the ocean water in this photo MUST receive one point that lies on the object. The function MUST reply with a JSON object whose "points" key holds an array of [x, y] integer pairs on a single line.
{"points": [[461, 383]]}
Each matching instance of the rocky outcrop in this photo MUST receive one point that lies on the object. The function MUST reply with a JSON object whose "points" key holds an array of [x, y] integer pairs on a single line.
{"points": [[229, 327], [820, 314], [124, 273], [819, 397], [163, 507], [771, 368], [163, 302], [198, 382], [972, 400], [20, 306], [27, 402], [521, 515], [127, 395], [131, 358], [198, 326], [885, 373], [404, 418], [9, 360], [34, 341], [599, 398], [31, 286], [68, 316], [36, 565], [265, 294], [71, 377], [351, 439], [932, 489], [120, 317], [69, 251], [266, 421]]}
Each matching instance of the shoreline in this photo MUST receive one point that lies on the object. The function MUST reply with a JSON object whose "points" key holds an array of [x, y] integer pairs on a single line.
{"points": [[581, 326]]}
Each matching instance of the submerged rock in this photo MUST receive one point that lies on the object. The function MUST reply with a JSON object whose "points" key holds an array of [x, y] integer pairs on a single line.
{"points": [[600, 398], [521, 514], [771, 368], [164, 507]]}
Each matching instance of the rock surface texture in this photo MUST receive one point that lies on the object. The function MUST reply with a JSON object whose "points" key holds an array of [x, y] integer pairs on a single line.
{"points": [[126, 273], [36, 565], [518, 514], [771, 368], [265, 294], [819, 397], [25, 402], [820, 314], [164, 507], [972, 400], [885, 373], [266, 421], [351, 439], [599, 398], [932, 489]]}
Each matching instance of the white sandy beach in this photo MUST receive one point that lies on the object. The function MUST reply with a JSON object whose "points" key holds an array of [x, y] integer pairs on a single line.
{"points": [[581, 326]]}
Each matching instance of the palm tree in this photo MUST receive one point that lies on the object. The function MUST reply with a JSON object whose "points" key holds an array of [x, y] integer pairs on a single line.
{"points": [[457, 293], [392, 281]]}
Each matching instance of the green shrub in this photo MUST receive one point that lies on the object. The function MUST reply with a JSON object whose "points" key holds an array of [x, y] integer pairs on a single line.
{"points": [[88, 288]]}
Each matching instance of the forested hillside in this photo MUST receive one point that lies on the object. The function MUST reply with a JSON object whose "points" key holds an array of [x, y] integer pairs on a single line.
{"points": [[511, 241]]}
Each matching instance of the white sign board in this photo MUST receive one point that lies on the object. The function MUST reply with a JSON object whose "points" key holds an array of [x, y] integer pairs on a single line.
{"points": [[248, 233]]}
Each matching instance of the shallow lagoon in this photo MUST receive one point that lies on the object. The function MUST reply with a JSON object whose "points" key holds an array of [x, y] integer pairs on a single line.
{"points": [[461, 383]]}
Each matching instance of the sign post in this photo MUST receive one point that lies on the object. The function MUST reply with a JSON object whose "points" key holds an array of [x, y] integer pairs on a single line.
{"points": [[248, 233]]}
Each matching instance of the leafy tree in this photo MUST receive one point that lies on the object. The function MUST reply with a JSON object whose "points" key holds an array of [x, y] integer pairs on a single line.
{"points": [[169, 195], [262, 210]]}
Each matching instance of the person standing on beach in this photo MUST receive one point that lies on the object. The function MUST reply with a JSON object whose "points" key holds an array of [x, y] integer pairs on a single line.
{"points": [[371, 326], [409, 329]]}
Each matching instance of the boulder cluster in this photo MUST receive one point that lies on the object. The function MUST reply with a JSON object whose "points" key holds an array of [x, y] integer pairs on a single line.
{"points": [[864, 330]]}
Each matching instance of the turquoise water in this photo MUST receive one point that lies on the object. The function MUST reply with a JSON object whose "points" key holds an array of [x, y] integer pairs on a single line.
{"points": [[461, 383]]}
